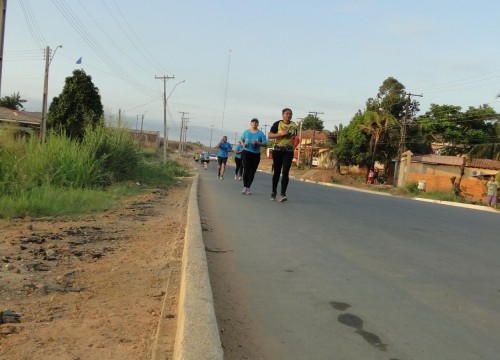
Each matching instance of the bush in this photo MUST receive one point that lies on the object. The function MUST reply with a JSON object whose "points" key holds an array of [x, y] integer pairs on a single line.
{"points": [[412, 188]]}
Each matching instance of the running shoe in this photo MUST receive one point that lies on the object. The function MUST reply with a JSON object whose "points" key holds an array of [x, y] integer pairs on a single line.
{"points": [[222, 177], [247, 192], [235, 177], [282, 198], [244, 191], [273, 196], [240, 178]]}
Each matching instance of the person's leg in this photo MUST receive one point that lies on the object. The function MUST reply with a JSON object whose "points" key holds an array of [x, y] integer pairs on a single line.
{"points": [[255, 160], [219, 163], [287, 164], [246, 168], [223, 167], [277, 165]]}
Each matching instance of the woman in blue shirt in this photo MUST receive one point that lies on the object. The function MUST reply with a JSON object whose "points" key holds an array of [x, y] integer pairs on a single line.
{"points": [[251, 140], [238, 173]]}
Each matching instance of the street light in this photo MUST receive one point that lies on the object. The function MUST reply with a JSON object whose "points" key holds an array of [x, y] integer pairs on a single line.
{"points": [[165, 135], [48, 61]]}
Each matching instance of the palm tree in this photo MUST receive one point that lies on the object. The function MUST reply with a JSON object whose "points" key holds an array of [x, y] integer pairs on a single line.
{"points": [[376, 125], [488, 150], [13, 101]]}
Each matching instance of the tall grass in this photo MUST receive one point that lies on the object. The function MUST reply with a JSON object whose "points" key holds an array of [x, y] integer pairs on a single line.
{"points": [[61, 175]]}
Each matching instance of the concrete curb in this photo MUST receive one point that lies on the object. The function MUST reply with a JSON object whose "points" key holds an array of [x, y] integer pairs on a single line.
{"points": [[441, 202], [197, 334]]}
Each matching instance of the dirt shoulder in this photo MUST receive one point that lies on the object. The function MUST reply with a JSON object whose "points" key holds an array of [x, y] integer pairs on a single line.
{"points": [[93, 288]]}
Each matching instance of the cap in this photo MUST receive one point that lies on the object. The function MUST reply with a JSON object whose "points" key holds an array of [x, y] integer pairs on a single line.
{"points": [[254, 119]]}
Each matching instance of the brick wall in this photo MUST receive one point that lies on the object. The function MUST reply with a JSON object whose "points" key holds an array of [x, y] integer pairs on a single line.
{"points": [[473, 188]]}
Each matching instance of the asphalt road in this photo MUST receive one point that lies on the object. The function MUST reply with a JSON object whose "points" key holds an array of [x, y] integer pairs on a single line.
{"points": [[340, 274]]}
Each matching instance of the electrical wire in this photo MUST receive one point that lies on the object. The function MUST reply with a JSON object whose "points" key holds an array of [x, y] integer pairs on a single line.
{"points": [[74, 21], [32, 24]]}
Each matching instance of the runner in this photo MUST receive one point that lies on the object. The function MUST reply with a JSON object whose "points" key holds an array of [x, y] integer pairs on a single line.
{"points": [[205, 158], [283, 131], [251, 140], [222, 155], [237, 160]]}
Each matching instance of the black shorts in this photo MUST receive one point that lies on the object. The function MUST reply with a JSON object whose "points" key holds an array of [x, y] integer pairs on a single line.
{"points": [[207, 161], [221, 160]]}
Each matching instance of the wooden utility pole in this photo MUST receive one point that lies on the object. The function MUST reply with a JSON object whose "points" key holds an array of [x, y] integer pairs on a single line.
{"points": [[313, 137], [3, 13], [181, 137], [300, 142], [402, 140], [164, 78]]}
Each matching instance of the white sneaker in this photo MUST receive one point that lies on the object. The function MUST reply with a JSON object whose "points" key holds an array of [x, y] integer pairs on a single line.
{"points": [[235, 177]]}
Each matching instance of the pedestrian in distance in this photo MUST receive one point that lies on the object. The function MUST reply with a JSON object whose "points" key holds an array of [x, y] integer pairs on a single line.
{"points": [[284, 132], [251, 140], [238, 172], [370, 177], [222, 155], [205, 158], [492, 193]]}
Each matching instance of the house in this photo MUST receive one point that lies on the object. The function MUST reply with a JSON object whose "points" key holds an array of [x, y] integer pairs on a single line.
{"points": [[26, 122], [437, 173], [147, 139], [319, 147]]}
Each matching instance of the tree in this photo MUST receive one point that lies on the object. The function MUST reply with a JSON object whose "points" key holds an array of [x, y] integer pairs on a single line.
{"points": [[312, 122], [353, 145], [489, 150], [13, 101], [78, 105], [377, 126], [459, 131]]}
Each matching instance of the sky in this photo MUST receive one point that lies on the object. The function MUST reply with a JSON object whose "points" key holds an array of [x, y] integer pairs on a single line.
{"points": [[244, 59]]}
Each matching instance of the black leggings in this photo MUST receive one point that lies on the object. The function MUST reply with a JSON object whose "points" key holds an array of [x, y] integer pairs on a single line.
{"points": [[250, 164], [239, 167], [282, 161]]}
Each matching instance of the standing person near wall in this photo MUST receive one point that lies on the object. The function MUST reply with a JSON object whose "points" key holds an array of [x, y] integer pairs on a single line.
{"points": [[283, 131], [238, 173], [492, 194], [222, 155], [251, 140]]}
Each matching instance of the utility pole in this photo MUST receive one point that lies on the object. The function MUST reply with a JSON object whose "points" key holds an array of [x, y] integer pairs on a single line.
{"points": [[211, 131], [313, 137], [265, 129], [137, 122], [182, 131], [140, 136], [300, 142], [402, 140], [185, 135], [3, 13], [164, 78], [235, 137], [43, 124]]}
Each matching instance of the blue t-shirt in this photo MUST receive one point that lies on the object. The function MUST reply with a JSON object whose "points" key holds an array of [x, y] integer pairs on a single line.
{"points": [[224, 148], [248, 138], [236, 149]]}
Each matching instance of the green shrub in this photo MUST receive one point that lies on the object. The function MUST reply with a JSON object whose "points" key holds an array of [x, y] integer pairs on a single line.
{"points": [[412, 188]]}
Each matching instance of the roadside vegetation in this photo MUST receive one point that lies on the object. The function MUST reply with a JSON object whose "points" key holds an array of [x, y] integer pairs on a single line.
{"points": [[68, 176]]}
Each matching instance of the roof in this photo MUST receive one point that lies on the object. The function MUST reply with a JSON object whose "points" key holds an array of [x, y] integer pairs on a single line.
{"points": [[17, 116], [318, 135], [457, 161]]}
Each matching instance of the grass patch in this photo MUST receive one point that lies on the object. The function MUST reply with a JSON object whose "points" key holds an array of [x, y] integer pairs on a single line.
{"points": [[63, 176], [50, 201]]}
